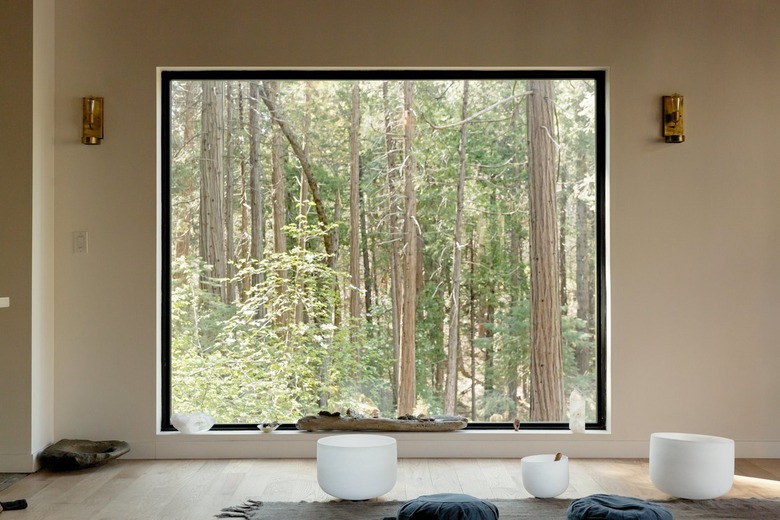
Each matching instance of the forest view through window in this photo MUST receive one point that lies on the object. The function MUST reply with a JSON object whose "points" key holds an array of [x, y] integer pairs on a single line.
{"points": [[385, 242]]}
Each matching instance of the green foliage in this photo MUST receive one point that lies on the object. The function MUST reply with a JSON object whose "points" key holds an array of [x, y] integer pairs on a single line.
{"points": [[249, 359]]}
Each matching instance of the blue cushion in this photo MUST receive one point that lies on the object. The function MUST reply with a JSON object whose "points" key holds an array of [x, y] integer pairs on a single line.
{"points": [[613, 507], [449, 506]]}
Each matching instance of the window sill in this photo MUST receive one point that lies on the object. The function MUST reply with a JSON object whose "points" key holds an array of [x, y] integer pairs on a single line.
{"points": [[459, 444]]}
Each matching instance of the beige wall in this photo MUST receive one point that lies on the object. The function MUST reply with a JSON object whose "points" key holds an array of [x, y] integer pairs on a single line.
{"points": [[694, 228], [26, 231], [43, 253], [16, 32]]}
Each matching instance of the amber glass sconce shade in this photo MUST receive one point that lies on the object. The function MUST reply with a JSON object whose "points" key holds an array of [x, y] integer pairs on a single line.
{"points": [[92, 121], [673, 119]]}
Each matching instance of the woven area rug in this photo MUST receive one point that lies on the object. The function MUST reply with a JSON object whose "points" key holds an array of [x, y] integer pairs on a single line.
{"points": [[532, 508]]}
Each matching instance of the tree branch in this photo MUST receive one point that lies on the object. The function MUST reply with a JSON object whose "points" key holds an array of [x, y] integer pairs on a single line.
{"points": [[476, 115], [303, 158]]}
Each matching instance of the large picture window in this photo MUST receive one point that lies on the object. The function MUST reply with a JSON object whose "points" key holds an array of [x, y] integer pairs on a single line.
{"points": [[388, 242]]}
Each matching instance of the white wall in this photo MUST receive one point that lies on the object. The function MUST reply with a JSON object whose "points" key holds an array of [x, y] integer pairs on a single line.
{"points": [[694, 228]]}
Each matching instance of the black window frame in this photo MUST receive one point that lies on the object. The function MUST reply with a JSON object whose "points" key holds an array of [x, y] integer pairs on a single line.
{"points": [[601, 322]]}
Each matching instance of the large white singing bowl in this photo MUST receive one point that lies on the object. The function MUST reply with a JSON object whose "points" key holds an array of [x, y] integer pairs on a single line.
{"points": [[356, 467], [543, 476], [696, 467]]}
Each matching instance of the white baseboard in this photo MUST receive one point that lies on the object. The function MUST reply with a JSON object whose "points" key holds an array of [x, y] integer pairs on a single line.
{"points": [[18, 463], [471, 444]]}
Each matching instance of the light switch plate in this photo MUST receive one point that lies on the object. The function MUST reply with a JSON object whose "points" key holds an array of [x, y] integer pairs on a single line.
{"points": [[80, 242], [5, 301]]}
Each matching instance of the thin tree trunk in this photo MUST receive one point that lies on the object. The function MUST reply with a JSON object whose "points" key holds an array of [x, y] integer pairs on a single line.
{"points": [[189, 104], [367, 284], [488, 305], [407, 394], [472, 330], [230, 259], [212, 233], [257, 239], [334, 259], [354, 211], [563, 196], [547, 401], [584, 284], [487, 333], [453, 346], [183, 239], [518, 278], [246, 280], [278, 199], [303, 196], [396, 289], [278, 189]]}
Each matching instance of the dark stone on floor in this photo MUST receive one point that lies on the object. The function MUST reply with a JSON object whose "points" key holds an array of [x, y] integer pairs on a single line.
{"points": [[72, 454]]}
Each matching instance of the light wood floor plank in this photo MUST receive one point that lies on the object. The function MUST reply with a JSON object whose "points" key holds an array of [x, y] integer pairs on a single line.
{"points": [[198, 489]]}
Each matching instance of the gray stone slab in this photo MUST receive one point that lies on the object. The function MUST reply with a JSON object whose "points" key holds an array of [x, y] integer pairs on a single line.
{"points": [[72, 454]]}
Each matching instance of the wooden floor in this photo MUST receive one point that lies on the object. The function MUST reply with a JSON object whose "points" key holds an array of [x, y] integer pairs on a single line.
{"points": [[198, 489]]}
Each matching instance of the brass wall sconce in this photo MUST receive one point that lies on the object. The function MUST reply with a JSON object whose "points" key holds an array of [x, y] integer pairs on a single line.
{"points": [[92, 121], [673, 119]]}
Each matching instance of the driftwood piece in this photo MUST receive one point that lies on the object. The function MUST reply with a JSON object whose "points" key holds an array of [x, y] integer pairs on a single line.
{"points": [[329, 422]]}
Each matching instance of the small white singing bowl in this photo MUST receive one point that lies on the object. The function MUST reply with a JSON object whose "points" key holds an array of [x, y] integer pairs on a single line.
{"points": [[543, 476]]}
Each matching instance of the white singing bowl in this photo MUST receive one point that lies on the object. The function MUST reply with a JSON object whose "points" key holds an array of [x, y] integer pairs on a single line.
{"points": [[356, 467], [543, 476], [692, 466]]}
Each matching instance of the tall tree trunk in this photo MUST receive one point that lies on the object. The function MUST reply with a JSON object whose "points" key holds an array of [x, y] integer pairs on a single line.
{"points": [[585, 290], [189, 105], [396, 289], [407, 393], [246, 280], [472, 329], [278, 199], [518, 278], [257, 210], [183, 239], [230, 257], [547, 401], [354, 211], [303, 194], [453, 344], [487, 333], [243, 202], [278, 189], [563, 196], [368, 279], [334, 259], [212, 231]]}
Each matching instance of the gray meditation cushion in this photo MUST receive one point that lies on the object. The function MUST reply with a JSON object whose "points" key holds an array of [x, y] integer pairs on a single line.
{"points": [[449, 506], [613, 507]]}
